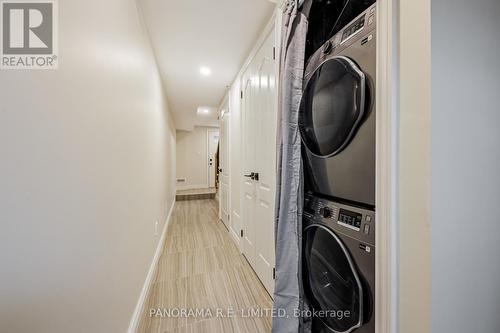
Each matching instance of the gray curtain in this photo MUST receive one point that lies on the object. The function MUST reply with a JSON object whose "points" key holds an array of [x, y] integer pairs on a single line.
{"points": [[289, 189]]}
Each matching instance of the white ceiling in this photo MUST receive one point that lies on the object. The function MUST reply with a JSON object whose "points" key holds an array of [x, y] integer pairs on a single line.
{"points": [[188, 34]]}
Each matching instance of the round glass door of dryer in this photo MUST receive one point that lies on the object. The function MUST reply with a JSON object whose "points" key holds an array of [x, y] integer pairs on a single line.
{"points": [[332, 106], [331, 281]]}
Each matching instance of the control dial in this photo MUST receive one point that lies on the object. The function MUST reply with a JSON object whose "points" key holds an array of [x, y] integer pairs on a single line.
{"points": [[327, 48], [326, 212]]}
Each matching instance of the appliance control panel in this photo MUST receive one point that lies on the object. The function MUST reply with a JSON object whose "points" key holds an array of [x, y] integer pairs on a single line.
{"points": [[350, 220], [359, 23], [358, 27], [353, 28]]}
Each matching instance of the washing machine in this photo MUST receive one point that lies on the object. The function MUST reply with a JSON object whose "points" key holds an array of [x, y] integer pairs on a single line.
{"points": [[337, 114], [338, 268]]}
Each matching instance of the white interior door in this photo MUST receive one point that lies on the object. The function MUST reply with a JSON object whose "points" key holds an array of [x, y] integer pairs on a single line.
{"points": [[248, 165], [224, 168], [265, 144], [259, 114], [213, 144]]}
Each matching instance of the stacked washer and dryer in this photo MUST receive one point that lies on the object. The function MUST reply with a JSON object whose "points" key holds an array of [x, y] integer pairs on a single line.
{"points": [[337, 126]]}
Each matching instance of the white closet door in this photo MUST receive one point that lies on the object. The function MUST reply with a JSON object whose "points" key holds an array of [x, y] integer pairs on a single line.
{"points": [[248, 167], [224, 168], [259, 112], [265, 142]]}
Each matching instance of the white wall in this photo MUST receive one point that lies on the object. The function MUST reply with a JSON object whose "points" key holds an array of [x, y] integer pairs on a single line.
{"points": [[465, 226], [192, 157], [87, 167]]}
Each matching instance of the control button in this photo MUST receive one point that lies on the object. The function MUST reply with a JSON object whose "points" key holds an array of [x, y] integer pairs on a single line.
{"points": [[370, 20], [327, 48], [326, 212], [367, 229], [368, 218]]}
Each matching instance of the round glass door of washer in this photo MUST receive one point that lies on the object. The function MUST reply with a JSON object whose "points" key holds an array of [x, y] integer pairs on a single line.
{"points": [[332, 106], [331, 281]]}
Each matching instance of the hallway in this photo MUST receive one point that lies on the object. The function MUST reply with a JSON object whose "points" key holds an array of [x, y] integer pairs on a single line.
{"points": [[201, 268]]}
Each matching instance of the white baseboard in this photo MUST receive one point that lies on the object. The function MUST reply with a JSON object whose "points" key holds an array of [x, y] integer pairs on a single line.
{"points": [[139, 308], [235, 237], [235, 234], [191, 187]]}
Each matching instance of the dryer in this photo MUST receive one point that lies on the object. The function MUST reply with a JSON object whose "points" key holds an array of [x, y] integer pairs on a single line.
{"points": [[337, 114], [338, 268]]}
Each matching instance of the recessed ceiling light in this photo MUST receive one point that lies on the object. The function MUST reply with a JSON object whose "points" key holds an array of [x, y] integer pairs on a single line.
{"points": [[205, 71], [203, 110]]}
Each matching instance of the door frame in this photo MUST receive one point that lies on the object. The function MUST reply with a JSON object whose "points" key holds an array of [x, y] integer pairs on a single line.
{"points": [[387, 129], [224, 108], [210, 130], [403, 185]]}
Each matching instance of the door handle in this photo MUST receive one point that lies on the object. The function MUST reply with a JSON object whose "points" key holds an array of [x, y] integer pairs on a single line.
{"points": [[251, 175]]}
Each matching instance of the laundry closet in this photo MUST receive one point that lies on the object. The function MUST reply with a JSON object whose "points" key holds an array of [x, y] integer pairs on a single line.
{"points": [[337, 124]]}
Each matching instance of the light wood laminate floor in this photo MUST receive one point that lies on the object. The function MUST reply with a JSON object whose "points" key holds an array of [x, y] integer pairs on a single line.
{"points": [[201, 268]]}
